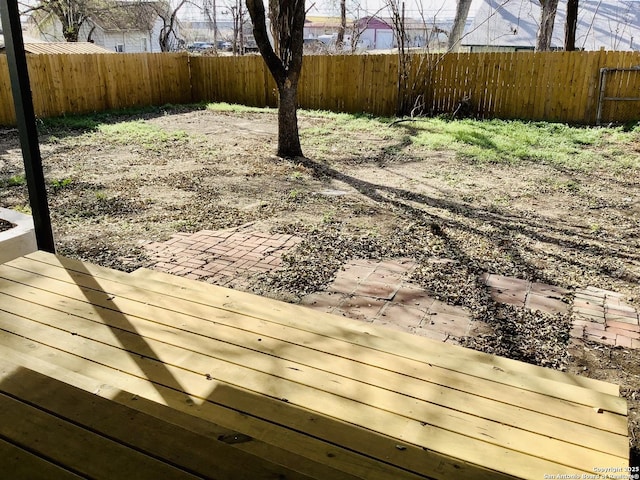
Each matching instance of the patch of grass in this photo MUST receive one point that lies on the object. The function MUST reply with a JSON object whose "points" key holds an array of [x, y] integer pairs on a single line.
{"points": [[347, 121], [60, 184], [235, 108], [295, 195], [26, 209], [139, 132], [14, 181], [83, 123], [512, 142], [92, 122]]}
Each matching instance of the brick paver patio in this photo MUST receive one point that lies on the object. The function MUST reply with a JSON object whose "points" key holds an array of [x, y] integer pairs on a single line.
{"points": [[380, 293], [224, 257], [598, 315]]}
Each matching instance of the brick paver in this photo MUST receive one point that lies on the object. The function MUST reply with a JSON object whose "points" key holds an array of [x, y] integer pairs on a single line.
{"points": [[379, 293], [224, 257], [598, 315], [606, 318]]}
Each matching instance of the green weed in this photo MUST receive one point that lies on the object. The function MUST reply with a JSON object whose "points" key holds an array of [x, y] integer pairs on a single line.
{"points": [[58, 185], [235, 108], [139, 132], [15, 181], [295, 195]]}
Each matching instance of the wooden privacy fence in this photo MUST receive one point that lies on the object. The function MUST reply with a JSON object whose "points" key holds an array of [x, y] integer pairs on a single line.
{"points": [[553, 86], [69, 84]]}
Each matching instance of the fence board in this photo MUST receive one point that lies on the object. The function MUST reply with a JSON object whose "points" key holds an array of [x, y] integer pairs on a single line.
{"points": [[555, 86], [7, 113]]}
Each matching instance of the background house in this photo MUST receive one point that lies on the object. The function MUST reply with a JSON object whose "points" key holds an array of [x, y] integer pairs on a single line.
{"points": [[316, 26], [123, 27], [376, 33], [513, 25]]}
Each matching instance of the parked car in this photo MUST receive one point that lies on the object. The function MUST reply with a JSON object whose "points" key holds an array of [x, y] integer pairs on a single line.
{"points": [[200, 46]]}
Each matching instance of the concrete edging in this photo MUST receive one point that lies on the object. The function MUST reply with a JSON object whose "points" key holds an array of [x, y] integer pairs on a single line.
{"points": [[19, 240]]}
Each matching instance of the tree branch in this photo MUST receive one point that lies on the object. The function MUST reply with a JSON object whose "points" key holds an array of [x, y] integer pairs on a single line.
{"points": [[258, 18]]}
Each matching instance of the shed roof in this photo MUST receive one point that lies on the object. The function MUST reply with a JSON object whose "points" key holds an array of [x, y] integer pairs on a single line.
{"points": [[61, 48]]}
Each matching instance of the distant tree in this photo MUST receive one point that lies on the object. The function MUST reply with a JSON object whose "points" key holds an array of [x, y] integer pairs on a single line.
{"points": [[547, 19], [571, 25], [343, 24], [71, 13], [238, 15], [284, 61], [460, 20], [396, 8], [274, 9], [169, 16]]}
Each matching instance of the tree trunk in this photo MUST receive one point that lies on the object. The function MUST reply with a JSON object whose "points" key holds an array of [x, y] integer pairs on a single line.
{"points": [[284, 63], [460, 20], [71, 33], [343, 24], [547, 19], [288, 138], [571, 25]]}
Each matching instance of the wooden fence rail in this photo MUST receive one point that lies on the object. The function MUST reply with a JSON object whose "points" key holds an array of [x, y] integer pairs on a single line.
{"points": [[553, 86]]}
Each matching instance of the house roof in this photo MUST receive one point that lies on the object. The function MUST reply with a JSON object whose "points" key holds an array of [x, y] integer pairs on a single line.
{"points": [[40, 48], [386, 23], [317, 21], [608, 24], [375, 23], [129, 16], [37, 46]]}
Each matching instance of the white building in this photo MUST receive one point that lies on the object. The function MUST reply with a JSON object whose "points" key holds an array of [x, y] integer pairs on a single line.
{"points": [[126, 27]]}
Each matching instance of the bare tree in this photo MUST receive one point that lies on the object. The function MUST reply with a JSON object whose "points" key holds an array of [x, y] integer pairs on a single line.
{"points": [[284, 62], [274, 8], [209, 9], [404, 61], [169, 17], [343, 24], [460, 20], [547, 19], [570, 26], [72, 13]]}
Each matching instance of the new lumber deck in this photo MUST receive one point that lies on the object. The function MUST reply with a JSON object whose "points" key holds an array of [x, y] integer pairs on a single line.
{"points": [[105, 374]]}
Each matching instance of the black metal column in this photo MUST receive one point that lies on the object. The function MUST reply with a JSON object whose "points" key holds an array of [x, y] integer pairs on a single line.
{"points": [[26, 120]]}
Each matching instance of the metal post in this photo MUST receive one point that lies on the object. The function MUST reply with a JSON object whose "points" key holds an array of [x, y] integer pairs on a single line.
{"points": [[603, 86], [26, 121]]}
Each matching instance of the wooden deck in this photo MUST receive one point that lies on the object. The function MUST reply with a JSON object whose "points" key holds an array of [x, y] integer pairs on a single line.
{"points": [[109, 375]]}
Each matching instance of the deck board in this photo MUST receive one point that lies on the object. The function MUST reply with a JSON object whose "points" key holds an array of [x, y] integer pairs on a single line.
{"points": [[328, 325], [142, 433], [24, 465], [64, 443], [397, 398], [386, 405]]}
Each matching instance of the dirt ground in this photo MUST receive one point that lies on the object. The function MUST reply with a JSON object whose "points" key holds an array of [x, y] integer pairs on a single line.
{"points": [[367, 192]]}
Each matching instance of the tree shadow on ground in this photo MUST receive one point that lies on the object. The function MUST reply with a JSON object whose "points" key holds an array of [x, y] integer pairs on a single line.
{"points": [[568, 244]]}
